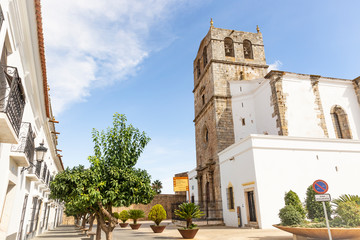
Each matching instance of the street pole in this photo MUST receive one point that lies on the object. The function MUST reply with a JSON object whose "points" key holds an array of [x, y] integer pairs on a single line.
{"points": [[327, 221]]}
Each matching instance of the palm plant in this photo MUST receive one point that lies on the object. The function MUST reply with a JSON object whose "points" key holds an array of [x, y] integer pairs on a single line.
{"points": [[188, 211], [157, 186], [347, 198]]}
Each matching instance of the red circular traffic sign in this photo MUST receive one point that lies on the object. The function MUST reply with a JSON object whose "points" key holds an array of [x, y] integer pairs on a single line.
{"points": [[320, 186]]}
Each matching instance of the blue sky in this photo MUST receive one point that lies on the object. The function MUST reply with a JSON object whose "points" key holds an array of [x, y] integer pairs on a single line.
{"points": [[135, 57]]}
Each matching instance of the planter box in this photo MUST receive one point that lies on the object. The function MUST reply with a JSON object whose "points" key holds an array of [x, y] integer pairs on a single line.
{"points": [[135, 226], [336, 233], [123, 225], [188, 233], [157, 229]]}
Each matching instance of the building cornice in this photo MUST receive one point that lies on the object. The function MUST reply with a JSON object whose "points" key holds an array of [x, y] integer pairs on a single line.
{"points": [[225, 62]]}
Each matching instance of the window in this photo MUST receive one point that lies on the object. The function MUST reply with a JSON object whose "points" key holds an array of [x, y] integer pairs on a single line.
{"points": [[198, 68], [341, 123], [206, 136], [230, 198], [205, 56], [203, 99], [243, 121], [248, 52], [229, 47]]}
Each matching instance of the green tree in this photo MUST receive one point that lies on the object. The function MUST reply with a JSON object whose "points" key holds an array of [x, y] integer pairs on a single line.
{"points": [[116, 180], [157, 186], [315, 209], [112, 179], [291, 198], [157, 214]]}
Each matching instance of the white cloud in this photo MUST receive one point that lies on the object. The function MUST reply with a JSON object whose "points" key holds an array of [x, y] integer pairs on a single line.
{"points": [[275, 66], [91, 43]]}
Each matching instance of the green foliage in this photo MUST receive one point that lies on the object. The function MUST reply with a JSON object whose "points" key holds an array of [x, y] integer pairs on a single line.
{"points": [[290, 216], [135, 214], [347, 198], [157, 214], [116, 215], [117, 180], [188, 211], [157, 186], [124, 216], [315, 209], [291, 198], [349, 212]]}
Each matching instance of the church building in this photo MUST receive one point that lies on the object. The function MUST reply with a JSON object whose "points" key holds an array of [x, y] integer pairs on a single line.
{"points": [[260, 134]]}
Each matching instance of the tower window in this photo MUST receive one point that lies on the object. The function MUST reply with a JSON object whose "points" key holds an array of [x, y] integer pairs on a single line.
{"points": [[203, 99], [206, 136], [229, 47], [341, 123], [205, 56], [248, 52], [243, 121], [198, 68]]}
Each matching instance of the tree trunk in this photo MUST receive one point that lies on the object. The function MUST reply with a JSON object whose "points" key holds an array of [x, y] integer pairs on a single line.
{"points": [[98, 228], [108, 235], [84, 221], [91, 221]]}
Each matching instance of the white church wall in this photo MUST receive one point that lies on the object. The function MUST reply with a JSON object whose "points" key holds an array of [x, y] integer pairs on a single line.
{"points": [[340, 92], [251, 102], [265, 122], [278, 164], [301, 117], [236, 169]]}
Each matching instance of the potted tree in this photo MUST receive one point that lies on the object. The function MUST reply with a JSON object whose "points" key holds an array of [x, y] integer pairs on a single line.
{"points": [[157, 214], [188, 211], [135, 214], [124, 216]]}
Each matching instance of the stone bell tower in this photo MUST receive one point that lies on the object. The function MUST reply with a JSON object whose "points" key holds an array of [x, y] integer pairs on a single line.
{"points": [[224, 55]]}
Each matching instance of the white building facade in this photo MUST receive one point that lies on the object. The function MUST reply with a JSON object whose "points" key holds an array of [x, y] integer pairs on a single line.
{"points": [[290, 130], [27, 126]]}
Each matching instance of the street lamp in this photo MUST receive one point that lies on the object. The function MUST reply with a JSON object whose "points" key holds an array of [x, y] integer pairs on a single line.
{"points": [[40, 153]]}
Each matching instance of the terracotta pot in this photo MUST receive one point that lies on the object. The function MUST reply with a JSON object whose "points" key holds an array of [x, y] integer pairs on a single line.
{"points": [[157, 229], [123, 225], [135, 226], [188, 233], [336, 233]]}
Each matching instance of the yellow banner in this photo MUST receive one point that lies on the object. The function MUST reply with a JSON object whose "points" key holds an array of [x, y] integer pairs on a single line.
{"points": [[181, 184]]}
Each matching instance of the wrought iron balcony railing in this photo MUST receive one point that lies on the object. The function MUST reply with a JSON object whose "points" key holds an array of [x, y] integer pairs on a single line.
{"points": [[26, 142], [12, 96]]}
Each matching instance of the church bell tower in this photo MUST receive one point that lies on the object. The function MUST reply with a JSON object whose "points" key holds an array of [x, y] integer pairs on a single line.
{"points": [[223, 55]]}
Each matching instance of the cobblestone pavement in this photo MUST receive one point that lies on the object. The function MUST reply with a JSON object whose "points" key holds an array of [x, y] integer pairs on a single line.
{"points": [[171, 232]]}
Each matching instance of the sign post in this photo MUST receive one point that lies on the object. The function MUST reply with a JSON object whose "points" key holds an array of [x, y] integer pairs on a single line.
{"points": [[321, 187]]}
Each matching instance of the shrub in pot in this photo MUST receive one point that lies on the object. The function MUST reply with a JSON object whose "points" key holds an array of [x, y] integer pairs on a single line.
{"points": [[289, 216], [124, 216], [188, 211], [135, 214], [157, 214]]}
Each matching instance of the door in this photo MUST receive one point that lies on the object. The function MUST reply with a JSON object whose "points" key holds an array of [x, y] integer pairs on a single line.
{"points": [[22, 217], [251, 206]]}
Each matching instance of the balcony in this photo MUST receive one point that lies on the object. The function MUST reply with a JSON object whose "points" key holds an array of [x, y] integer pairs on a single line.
{"points": [[12, 103], [23, 153]]}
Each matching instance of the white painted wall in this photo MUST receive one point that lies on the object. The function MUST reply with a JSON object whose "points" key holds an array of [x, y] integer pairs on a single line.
{"points": [[251, 100], [19, 34], [279, 164], [301, 117], [193, 185], [340, 92]]}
